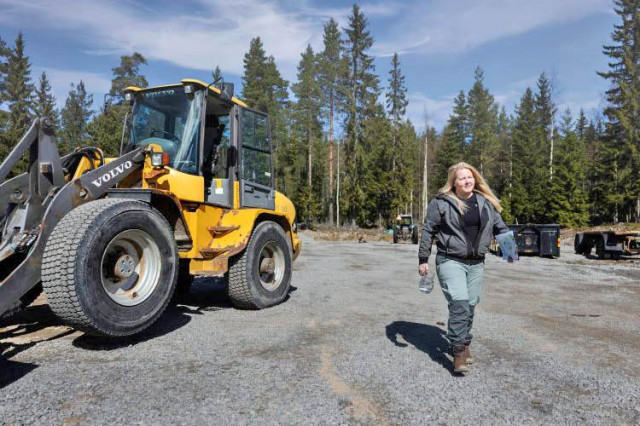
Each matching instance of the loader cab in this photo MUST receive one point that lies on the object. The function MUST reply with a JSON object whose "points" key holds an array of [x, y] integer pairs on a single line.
{"points": [[211, 135]]}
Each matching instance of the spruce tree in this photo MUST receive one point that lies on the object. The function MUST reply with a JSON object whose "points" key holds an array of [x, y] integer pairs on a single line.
{"points": [[482, 121], [567, 197], [623, 111], [329, 74], [45, 102], [75, 117], [5, 53], [545, 112], [451, 146], [19, 91], [264, 89], [527, 190]]}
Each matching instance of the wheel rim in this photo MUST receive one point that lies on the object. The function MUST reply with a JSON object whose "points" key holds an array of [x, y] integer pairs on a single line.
{"points": [[271, 266], [130, 267]]}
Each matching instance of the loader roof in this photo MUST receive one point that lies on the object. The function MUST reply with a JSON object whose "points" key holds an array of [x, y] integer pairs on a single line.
{"points": [[186, 81]]}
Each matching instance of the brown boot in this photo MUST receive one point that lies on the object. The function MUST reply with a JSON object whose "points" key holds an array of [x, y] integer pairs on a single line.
{"points": [[467, 354], [460, 359]]}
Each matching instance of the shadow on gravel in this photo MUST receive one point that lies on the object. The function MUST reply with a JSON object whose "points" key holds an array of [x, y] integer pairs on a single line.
{"points": [[173, 319], [427, 338], [21, 332]]}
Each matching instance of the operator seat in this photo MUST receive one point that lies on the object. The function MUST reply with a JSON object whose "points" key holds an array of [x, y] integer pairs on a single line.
{"points": [[212, 137]]}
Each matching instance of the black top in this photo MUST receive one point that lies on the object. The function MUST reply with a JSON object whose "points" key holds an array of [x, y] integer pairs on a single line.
{"points": [[471, 219]]}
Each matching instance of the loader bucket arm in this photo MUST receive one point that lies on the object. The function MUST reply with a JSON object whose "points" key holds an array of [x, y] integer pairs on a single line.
{"points": [[31, 233]]}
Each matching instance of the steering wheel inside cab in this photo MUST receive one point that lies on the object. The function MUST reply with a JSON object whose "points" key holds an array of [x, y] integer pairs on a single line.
{"points": [[169, 142]]}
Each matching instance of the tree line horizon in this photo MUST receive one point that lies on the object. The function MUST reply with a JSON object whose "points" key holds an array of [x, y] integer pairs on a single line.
{"points": [[546, 166]]}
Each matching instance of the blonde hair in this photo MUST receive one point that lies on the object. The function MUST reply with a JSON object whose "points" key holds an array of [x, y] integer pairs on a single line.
{"points": [[481, 187]]}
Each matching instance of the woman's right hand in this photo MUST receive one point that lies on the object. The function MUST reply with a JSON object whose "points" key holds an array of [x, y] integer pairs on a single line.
{"points": [[423, 269]]}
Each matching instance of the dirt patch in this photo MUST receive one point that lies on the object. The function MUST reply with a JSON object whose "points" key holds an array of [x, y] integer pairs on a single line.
{"points": [[348, 234]]}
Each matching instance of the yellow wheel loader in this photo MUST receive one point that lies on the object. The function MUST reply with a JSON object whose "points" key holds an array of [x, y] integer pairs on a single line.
{"points": [[109, 239]]}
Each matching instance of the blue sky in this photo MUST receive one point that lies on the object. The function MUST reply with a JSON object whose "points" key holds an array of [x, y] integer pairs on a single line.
{"points": [[440, 42]]}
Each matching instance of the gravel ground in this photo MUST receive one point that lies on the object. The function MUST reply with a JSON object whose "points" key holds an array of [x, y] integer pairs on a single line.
{"points": [[355, 343]]}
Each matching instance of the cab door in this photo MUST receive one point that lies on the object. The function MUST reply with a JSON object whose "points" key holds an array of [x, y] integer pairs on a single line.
{"points": [[255, 165]]}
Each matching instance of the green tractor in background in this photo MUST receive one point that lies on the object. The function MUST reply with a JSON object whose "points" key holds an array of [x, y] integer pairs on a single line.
{"points": [[404, 229]]}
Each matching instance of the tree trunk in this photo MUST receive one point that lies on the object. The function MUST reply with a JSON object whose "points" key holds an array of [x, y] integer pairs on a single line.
{"points": [[425, 179], [331, 139]]}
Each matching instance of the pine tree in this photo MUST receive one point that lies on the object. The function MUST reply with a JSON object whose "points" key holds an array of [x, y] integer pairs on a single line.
{"points": [[329, 74], [45, 102], [623, 110], [19, 91], [361, 93], [482, 121], [75, 117], [308, 128], [128, 74], [396, 101]]}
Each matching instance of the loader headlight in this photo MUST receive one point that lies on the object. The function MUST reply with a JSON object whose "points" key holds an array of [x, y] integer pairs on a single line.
{"points": [[160, 159]]}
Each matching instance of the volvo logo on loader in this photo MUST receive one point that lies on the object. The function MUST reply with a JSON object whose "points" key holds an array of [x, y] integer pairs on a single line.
{"points": [[112, 174]]}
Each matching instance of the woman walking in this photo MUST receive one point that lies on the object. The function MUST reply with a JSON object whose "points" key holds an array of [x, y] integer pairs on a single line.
{"points": [[463, 217]]}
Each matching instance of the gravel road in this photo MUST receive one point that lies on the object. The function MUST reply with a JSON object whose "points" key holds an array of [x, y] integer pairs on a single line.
{"points": [[355, 343]]}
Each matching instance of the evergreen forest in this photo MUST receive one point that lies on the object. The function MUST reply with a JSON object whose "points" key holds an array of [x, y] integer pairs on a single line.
{"points": [[345, 152]]}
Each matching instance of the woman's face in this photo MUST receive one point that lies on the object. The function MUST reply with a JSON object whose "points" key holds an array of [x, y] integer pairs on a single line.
{"points": [[464, 183]]}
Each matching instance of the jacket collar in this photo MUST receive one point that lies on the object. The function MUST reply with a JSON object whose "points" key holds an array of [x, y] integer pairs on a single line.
{"points": [[481, 200]]}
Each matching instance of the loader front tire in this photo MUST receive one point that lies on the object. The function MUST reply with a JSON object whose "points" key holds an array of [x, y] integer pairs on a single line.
{"points": [[110, 267], [260, 276]]}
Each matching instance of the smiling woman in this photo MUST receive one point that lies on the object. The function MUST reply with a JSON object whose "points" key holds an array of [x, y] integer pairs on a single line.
{"points": [[463, 217]]}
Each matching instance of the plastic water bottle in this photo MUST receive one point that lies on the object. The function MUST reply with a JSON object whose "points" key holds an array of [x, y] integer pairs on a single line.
{"points": [[426, 283]]}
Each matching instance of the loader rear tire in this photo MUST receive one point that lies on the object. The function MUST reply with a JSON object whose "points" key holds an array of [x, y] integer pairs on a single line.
{"points": [[260, 276], [110, 267]]}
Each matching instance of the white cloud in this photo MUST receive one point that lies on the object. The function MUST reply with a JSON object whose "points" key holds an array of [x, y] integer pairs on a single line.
{"points": [[218, 34], [443, 26], [437, 110]]}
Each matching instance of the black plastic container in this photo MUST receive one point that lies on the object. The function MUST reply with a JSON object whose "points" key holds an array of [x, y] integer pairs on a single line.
{"points": [[537, 239]]}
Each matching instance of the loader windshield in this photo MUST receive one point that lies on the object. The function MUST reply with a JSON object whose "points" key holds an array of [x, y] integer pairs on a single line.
{"points": [[169, 118]]}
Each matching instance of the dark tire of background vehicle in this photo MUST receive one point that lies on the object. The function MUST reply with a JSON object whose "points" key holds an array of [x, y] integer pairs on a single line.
{"points": [[185, 279], [395, 236], [71, 272], [244, 288], [577, 244], [600, 248], [414, 235]]}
